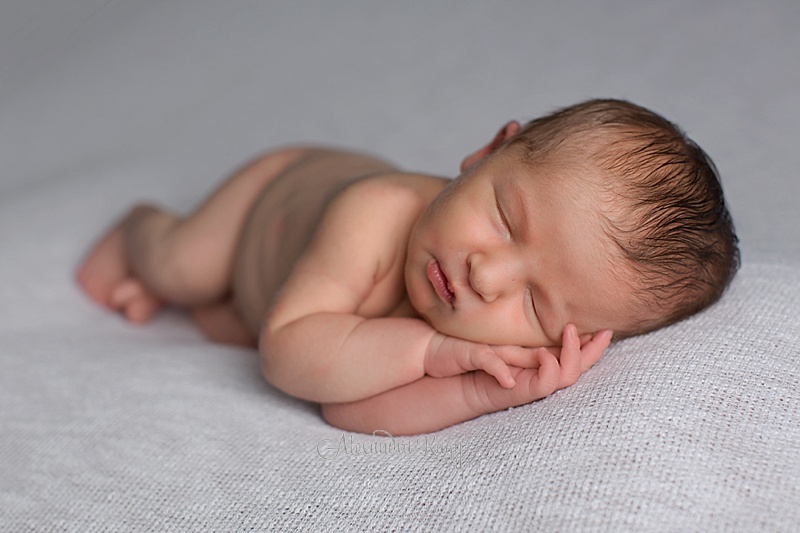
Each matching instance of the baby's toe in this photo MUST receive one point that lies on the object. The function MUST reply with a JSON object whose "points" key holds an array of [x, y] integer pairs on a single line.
{"points": [[125, 292], [141, 310]]}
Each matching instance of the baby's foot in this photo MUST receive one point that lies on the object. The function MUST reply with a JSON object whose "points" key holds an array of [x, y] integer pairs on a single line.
{"points": [[131, 298], [105, 277]]}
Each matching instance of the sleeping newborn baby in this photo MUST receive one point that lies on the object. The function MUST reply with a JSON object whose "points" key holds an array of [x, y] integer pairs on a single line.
{"points": [[408, 302]]}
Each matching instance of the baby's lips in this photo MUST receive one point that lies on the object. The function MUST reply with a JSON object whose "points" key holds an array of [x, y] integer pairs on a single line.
{"points": [[440, 282]]}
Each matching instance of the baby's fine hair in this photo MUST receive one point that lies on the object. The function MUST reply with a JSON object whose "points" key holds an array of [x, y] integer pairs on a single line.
{"points": [[671, 225]]}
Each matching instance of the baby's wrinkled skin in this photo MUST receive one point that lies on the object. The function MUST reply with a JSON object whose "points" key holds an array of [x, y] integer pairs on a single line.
{"points": [[399, 301]]}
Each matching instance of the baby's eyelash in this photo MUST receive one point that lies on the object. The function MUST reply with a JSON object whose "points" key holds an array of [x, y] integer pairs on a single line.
{"points": [[503, 218]]}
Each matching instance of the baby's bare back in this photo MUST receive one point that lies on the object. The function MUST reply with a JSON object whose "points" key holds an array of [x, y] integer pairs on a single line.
{"points": [[283, 220]]}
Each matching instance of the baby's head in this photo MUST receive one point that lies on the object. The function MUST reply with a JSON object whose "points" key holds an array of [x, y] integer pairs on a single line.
{"points": [[664, 207], [603, 214]]}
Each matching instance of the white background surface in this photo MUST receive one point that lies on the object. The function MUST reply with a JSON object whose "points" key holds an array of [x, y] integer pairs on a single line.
{"points": [[191, 89]]}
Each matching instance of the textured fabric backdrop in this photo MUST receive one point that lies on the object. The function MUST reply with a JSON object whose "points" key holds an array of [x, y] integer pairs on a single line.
{"points": [[108, 426]]}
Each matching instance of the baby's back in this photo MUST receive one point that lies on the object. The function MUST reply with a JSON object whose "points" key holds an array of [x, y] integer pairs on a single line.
{"points": [[283, 220]]}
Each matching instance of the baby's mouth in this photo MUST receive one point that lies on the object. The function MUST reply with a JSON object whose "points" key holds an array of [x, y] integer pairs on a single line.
{"points": [[440, 283]]}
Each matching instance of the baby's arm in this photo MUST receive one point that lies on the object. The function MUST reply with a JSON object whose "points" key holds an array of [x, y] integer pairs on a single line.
{"points": [[316, 344], [329, 356], [430, 404]]}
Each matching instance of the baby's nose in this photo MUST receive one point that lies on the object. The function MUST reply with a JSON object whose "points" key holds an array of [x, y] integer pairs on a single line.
{"points": [[488, 276]]}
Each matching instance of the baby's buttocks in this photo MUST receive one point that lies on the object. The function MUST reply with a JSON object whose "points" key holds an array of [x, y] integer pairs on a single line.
{"points": [[283, 220]]}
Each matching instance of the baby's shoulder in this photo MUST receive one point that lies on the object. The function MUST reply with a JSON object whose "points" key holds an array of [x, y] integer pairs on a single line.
{"points": [[375, 214], [392, 193]]}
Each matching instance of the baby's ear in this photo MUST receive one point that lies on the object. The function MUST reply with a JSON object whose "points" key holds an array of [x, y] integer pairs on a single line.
{"points": [[505, 133]]}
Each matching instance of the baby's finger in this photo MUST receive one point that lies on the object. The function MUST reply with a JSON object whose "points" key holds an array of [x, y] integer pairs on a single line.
{"points": [[570, 356], [532, 384], [592, 351], [516, 356], [492, 364], [548, 375]]}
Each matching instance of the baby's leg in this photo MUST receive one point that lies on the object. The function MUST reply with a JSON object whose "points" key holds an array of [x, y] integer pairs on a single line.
{"points": [[153, 257], [221, 323]]}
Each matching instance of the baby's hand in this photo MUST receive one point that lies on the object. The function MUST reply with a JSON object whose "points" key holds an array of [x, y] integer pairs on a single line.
{"points": [[554, 369], [450, 356]]}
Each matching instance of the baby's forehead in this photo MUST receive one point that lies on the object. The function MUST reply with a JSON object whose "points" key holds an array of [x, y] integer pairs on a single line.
{"points": [[575, 183]]}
